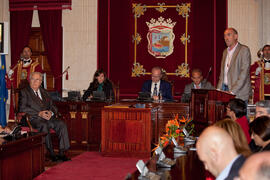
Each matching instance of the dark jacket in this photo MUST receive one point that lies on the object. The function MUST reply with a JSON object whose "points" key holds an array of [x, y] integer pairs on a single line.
{"points": [[32, 105], [165, 88], [266, 148], [107, 88], [234, 171], [186, 96]]}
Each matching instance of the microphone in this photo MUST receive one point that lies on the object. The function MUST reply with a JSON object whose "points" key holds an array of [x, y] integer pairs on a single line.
{"points": [[208, 74]]}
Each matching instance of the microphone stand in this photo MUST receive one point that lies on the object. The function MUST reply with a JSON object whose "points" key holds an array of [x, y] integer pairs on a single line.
{"points": [[65, 71]]}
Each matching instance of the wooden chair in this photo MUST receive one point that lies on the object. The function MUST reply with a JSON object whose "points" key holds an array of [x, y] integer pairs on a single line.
{"points": [[116, 91], [164, 77], [28, 128]]}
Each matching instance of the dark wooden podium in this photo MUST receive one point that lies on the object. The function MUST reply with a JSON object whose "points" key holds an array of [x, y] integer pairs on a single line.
{"points": [[208, 106], [126, 132]]}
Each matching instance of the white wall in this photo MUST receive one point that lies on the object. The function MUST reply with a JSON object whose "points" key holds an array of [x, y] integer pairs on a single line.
{"points": [[80, 43], [251, 18]]}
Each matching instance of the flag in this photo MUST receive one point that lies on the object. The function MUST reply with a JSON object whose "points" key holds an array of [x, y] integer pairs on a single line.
{"points": [[3, 92]]}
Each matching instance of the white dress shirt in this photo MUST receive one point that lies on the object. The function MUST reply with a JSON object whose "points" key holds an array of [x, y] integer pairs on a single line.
{"points": [[39, 94], [200, 86], [227, 63], [267, 64], [26, 64], [153, 87]]}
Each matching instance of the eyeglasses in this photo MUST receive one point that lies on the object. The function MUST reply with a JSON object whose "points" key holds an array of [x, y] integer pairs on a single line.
{"points": [[36, 79], [157, 76]]}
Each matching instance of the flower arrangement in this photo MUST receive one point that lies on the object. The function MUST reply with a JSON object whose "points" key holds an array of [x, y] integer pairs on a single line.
{"points": [[174, 128]]}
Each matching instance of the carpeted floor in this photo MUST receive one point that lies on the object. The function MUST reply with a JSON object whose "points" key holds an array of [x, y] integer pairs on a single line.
{"points": [[91, 165]]}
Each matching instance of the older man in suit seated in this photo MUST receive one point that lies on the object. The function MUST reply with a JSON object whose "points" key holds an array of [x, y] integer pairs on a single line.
{"points": [[156, 86], [216, 150], [198, 83], [36, 102]]}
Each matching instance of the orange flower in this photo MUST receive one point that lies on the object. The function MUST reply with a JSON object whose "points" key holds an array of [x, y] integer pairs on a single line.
{"points": [[177, 131], [165, 143], [183, 120]]}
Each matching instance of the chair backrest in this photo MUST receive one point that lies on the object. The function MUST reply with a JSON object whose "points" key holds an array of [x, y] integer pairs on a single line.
{"points": [[164, 77], [116, 91]]}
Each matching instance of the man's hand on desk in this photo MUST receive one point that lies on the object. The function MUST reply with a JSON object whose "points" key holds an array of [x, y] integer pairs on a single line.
{"points": [[45, 114], [90, 97], [155, 98]]}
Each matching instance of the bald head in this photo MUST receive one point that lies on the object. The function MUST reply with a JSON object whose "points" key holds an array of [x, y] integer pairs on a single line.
{"points": [[256, 167], [215, 149], [230, 37]]}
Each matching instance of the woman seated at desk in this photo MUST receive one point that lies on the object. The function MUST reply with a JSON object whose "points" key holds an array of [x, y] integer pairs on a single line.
{"points": [[100, 83]]}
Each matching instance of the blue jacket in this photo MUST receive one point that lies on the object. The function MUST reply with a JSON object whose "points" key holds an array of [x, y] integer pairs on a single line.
{"points": [[165, 88]]}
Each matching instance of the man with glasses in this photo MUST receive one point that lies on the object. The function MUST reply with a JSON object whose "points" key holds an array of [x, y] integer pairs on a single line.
{"points": [[36, 102], [157, 87]]}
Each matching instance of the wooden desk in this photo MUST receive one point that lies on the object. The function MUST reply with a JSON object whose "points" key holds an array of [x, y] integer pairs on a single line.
{"points": [[22, 159], [165, 112], [83, 120], [127, 131], [187, 167]]}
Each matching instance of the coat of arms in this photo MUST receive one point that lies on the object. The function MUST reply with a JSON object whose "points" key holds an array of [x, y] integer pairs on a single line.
{"points": [[160, 37]]}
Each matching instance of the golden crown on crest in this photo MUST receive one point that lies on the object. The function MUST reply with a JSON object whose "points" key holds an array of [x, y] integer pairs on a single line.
{"points": [[160, 22]]}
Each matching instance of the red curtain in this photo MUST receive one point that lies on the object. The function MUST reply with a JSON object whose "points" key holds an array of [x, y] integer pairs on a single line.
{"points": [[22, 5], [20, 29], [51, 28]]}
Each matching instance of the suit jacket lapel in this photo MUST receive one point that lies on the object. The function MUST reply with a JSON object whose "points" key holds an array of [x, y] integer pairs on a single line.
{"points": [[223, 62], [235, 53], [34, 97]]}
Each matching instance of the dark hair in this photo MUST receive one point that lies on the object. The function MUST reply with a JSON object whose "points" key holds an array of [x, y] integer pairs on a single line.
{"points": [[196, 70], [261, 127], [265, 46], [97, 73], [238, 106], [28, 48]]}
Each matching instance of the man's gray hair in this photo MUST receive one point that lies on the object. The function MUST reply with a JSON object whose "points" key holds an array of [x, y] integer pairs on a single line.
{"points": [[39, 73], [264, 104], [263, 172]]}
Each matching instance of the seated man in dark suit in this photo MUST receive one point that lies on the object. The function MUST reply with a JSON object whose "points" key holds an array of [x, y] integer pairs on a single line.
{"points": [[36, 102], [157, 86], [198, 83], [216, 150]]}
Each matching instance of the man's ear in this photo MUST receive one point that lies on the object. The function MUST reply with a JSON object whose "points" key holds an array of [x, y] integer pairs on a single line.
{"points": [[213, 154], [236, 36]]}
